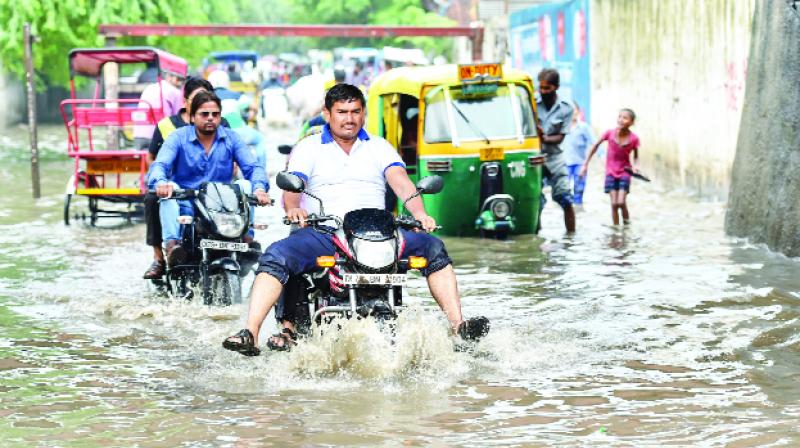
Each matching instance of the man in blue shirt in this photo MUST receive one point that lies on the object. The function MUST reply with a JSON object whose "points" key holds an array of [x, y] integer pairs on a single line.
{"points": [[195, 154]]}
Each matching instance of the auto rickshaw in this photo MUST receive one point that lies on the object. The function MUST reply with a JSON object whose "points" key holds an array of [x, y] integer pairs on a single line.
{"points": [[241, 80], [474, 125], [234, 63], [106, 169]]}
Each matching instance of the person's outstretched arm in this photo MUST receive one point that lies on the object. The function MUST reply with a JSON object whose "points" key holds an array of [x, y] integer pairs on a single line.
{"points": [[585, 167]]}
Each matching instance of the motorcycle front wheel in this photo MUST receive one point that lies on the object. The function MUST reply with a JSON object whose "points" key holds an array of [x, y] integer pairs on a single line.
{"points": [[226, 288]]}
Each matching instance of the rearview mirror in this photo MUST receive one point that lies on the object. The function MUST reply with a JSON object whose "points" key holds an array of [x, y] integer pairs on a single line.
{"points": [[430, 184], [290, 182], [285, 149]]}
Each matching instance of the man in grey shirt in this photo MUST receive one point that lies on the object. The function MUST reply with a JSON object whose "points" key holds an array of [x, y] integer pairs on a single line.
{"points": [[555, 116]]}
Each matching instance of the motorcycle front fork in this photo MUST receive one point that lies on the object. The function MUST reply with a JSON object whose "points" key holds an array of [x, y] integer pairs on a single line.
{"points": [[205, 278]]}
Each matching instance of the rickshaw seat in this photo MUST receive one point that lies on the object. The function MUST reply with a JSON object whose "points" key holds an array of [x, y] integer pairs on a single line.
{"points": [[87, 113]]}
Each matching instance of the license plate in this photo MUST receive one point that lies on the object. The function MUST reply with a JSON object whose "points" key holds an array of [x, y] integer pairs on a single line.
{"points": [[374, 279], [488, 154], [223, 245]]}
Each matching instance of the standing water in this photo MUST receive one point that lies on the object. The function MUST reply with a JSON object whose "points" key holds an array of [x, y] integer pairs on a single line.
{"points": [[662, 332]]}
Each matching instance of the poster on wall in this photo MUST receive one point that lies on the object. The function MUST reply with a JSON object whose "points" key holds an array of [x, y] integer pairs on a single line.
{"points": [[555, 35]]}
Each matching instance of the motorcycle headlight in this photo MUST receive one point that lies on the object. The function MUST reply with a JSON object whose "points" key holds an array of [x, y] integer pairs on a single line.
{"points": [[230, 225], [374, 254], [501, 209]]}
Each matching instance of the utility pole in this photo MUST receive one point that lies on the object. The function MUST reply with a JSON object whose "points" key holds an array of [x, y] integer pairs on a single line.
{"points": [[111, 79], [31, 84]]}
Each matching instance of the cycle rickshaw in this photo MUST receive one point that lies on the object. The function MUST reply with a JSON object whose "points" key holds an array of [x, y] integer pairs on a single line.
{"points": [[107, 169]]}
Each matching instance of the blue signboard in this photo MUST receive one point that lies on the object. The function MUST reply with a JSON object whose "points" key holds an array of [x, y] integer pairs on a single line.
{"points": [[555, 35]]}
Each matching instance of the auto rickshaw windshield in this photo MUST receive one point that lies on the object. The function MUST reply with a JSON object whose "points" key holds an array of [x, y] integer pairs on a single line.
{"points": [[453, 114]]}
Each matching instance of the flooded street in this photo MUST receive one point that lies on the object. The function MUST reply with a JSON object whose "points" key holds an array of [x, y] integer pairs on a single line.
{"points": [[663, 332]]}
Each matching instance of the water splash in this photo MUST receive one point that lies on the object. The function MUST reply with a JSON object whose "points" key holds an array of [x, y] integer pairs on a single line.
{"points": [[364, 348]]}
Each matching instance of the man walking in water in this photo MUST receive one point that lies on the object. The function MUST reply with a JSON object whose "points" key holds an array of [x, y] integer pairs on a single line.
{"points": [[555, 117]]}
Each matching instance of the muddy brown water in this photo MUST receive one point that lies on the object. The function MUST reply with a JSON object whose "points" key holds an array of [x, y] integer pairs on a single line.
{"points": [[662, 332]]}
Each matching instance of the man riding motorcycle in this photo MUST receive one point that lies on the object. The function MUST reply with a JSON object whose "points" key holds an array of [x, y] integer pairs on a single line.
{"points": [[348, 169], [195, 154]]}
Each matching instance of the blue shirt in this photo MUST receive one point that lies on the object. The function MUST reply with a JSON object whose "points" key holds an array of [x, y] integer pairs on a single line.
{"points": [[183, 160], [576, 142]]}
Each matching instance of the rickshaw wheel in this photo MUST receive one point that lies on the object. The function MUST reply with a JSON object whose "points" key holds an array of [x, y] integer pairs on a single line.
{"points": [[93, 211], [67, 200]]}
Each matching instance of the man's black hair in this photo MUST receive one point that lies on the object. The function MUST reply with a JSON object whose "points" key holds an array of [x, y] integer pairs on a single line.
{"points": [[343, 92], [202, 98], [194, 83], [339, 75], [550, 75]]}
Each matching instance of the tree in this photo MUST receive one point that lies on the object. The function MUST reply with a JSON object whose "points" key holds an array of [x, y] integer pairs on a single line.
{"points": [[373, 12], [65, 24]]}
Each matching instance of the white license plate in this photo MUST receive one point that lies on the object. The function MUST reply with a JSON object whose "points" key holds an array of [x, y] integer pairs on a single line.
{"points": [[374, 279], [223, 245]]}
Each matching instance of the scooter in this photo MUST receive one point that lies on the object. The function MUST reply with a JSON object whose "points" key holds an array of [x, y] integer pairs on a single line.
{"points": [[217, 255]]}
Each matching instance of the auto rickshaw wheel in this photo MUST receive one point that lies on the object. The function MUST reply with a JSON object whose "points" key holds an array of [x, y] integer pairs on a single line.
{"points": [[67, 200]]}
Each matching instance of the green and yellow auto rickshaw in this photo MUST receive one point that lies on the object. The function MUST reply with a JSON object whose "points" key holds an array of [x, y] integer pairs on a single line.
{"points": [[474, 125]]}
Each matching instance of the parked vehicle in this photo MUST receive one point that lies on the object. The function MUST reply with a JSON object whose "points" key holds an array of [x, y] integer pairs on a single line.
{"points": [[106, 171], [217, 255], [242, 67], [474, 125]]}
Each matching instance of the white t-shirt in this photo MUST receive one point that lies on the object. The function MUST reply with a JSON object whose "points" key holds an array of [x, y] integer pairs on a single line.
{"points": [[344, 181]]}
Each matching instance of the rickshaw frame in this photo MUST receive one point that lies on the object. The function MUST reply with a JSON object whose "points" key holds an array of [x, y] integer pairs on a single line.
{"points": [[89, 114]]}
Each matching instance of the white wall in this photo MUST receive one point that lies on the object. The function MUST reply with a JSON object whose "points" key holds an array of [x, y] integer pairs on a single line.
{"points": [[12, 96], [680, 65]]}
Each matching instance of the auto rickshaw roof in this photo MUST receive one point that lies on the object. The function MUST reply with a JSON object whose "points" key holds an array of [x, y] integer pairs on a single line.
{"points": [[242, 55], [90, 61], [409, 80]]}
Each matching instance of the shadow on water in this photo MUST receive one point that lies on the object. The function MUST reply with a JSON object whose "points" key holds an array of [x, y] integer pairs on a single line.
{"points": [[661, 332]]}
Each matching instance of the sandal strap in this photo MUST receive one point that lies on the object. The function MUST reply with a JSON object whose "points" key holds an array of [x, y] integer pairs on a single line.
{"points": [[246, 336]]}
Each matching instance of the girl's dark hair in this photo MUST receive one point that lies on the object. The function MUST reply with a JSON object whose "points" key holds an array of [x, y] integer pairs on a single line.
{"points": [[343, 92], [550, 75], [630, 111], [194, 83], [202, 98]]}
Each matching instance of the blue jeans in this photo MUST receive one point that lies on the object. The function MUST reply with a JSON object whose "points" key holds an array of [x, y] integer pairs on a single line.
{"points": [[578, 183], [297, 254], [170, 209]]}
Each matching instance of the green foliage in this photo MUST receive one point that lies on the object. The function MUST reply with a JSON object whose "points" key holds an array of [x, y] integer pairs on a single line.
{"points": [[65, 24], [373, 12]]}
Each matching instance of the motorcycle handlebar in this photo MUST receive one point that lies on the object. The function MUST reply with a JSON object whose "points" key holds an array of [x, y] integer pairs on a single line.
{"points": [[409, 223], [188, 193], [311, 219], [252, 200]]}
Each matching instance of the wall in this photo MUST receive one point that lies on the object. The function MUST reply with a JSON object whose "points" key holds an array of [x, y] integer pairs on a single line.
{"points": [[12, 96], [680, 65], [555, 35], [764, 200]]}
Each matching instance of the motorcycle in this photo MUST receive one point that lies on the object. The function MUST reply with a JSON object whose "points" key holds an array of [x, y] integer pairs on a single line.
{"points": [[366, 276], [217, 255]]}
